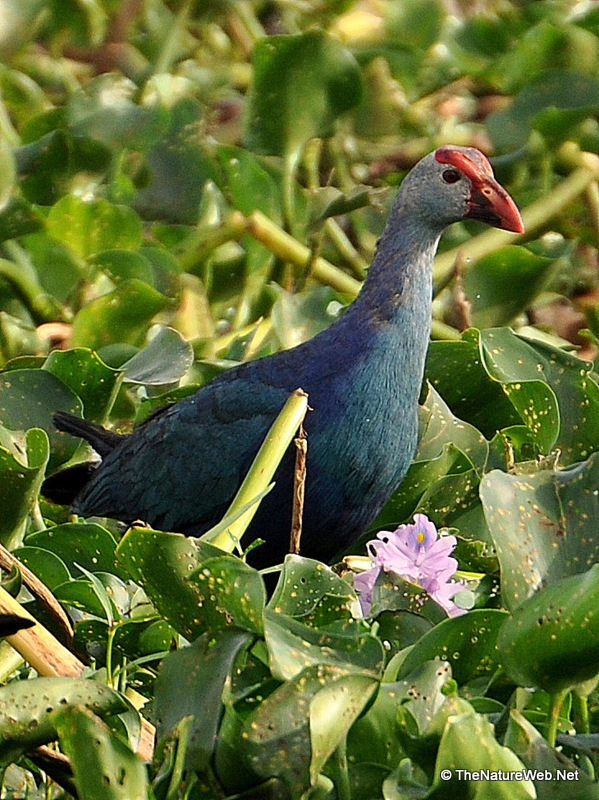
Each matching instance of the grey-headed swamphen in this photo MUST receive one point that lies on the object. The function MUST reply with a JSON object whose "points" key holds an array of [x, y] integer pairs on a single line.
{"points": [[180, 469]]}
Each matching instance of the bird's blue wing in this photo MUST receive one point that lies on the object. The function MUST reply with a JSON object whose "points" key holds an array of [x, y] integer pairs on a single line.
{"points": [[188, 463]]}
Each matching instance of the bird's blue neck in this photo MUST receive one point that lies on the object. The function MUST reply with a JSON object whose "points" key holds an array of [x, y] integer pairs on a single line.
{"points": [[398, 289]]}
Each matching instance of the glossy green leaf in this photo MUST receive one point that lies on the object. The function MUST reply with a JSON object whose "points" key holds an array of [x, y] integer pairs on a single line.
{"points": [[29, 398], [518, 361], [534, 751], [230, 593], [90, 227], [310, 79], [20, 479], [475, 397], [166, 359], [448, 446], [542, 525], [179, 165], [48, 566], [551, 640], [105, 767], [106, 111], [294, 647], [468, 742], [191, 683], [161, 563], [122, 264], [467, 642], [303, 584], [91, 546], [89, 377], [27, 710], [276, 737], [8, 173], [333, 710], [570, 96], [502, 285], [122, 315]]}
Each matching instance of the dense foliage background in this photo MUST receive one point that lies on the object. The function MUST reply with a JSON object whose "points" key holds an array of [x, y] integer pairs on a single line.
{"points": [[184, 186]]}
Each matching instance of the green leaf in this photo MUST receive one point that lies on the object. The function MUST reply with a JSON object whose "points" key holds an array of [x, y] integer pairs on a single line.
{"points": [[27, 710], [83, 371], [48, 566], [230, 593], [293, 646], [476, 397], [105, 767], [20, 481], [89, 227], [542, 525], [29, 398], [535, 752], [503, 284], [179, 167], [333, 710], [191, 683], [122, 315], [310, 79], [91, 546], [19, 218], [303, 584], [166, 359], [467, 642], [554, 101], [122, 265], [275, 740], [8, 173], [447, 446], [161, 563], [551, 640], [105, 111], [468, 743]]}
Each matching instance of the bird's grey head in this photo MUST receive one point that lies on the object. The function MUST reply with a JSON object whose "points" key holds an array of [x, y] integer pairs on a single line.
{"points": [[455, 183]]}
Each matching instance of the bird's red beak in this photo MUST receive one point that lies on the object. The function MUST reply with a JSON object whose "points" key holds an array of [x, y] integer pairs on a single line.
{"points": [[488, 201]]}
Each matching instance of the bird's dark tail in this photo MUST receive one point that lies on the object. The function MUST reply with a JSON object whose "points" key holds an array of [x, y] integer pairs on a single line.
{"points": [[64, 486], [101, 440]]}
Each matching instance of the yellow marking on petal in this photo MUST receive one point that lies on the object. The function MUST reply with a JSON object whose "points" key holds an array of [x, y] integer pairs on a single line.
{"points": [[420, 537]]}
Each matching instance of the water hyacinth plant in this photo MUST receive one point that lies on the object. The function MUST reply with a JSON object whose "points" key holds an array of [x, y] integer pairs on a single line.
{"points": [[188, 186], [417, 554]]}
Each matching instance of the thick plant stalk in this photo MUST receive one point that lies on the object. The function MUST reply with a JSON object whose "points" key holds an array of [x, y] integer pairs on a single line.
{"points": [[285, 246], [262, 470]]}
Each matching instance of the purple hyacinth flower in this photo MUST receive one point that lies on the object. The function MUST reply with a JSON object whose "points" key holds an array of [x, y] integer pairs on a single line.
{"points": [[417, 554]]}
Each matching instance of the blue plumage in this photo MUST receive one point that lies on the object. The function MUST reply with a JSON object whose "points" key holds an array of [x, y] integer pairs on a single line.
{"points": [[180, 470]]}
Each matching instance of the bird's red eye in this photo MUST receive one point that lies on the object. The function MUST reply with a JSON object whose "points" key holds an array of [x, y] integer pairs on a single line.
{"points": [[451, 176]]}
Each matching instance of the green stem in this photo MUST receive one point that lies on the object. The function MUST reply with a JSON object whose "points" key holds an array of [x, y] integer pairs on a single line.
{"points": [[556, 700], [200, 244], [580, 710], [592, 200], [109, 643], [39, 305], [312, 155], [440, 330], [290, 165], [341, 776], [346, 248], [263, 468], [286, 247], [170, 44]]}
